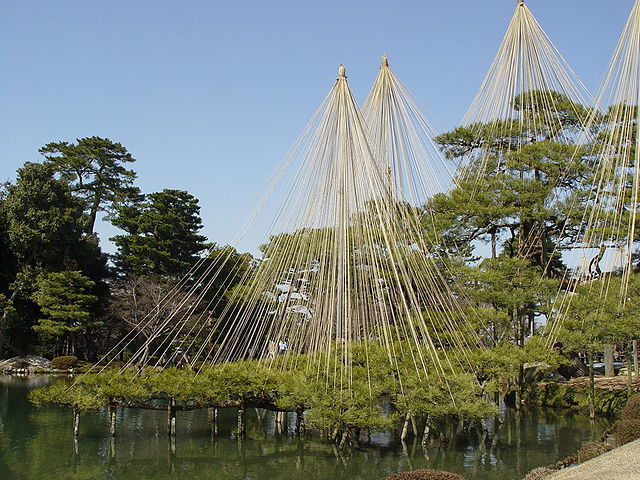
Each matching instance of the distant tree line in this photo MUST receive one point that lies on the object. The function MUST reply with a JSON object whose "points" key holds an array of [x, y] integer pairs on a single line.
{"points": [[59, 292]]}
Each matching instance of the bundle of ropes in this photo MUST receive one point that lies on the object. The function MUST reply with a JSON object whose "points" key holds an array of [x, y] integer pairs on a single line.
{"points": [[610, 221], [345, 261]]}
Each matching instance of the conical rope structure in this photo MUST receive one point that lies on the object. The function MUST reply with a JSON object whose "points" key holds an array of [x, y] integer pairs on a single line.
{"points": [[530, 99], [526, 95], [610, 222], [344, 264]]}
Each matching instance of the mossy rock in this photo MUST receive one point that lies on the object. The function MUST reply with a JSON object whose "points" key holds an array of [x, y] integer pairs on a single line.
{"points": [[64, 363], [627, 431], [592, 450], [540, 473], [631, 410], [424, 475]]}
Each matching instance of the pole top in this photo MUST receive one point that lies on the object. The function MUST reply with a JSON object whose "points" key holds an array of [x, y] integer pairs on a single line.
{"points": [[342, 71], [385, 60], [521, 3]]}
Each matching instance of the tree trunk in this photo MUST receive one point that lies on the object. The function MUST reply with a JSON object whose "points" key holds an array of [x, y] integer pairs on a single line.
{"points": [[608, 361], [405, 427], [345, 438], [520, 388], [93, 213], [3, 339], [425, 433], [635, 358], [494, 243]]}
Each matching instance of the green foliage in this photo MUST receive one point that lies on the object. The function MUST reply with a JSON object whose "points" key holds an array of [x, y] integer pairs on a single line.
{"points": [[606, 402], [369, 398], [64, 363], [627, 431], [44, 220], [592, 450], [63, 299], [162, 234], [597, 317], [65, 304], [42, 226], [498, 368], [529, 176], [78, 397], [95, 169]]}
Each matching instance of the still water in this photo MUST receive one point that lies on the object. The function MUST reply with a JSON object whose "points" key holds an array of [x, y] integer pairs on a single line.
{"points": [[36, 444]]}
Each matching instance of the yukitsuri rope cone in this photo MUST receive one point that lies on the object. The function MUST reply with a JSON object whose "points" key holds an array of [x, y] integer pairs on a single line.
{"points": [[344, 263], [610, 222]]}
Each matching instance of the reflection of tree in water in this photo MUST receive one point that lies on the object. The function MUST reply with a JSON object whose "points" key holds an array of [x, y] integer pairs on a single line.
{"points": [[142, 449]]}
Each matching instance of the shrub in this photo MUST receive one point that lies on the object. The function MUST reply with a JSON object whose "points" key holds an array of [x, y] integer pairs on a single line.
{"points": [[424, 475], [631, 410], [627, 431], [64, 363], [591, 450], [539, 473]]}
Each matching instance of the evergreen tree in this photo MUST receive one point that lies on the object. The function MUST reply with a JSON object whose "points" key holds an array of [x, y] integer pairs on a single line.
{"points": [[162, 234], [44, 233], [526, 199], [65, 302], [96, 170]]}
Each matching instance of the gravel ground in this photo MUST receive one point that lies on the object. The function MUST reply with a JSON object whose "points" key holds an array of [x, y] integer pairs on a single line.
{"points": [[622, 463]]}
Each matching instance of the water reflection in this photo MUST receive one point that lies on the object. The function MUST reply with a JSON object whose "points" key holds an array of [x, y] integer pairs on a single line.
{"points": [[37, 444]]}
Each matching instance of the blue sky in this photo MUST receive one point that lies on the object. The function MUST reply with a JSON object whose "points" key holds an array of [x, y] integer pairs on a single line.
{"points": [[209, 95]]}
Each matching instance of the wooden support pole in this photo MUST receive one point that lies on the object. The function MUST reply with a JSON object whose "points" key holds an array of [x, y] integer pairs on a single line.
{"points": [[212, 414], [112, 420], [76, 423], [425, 433], [414, 427], [112, 448], [242, 429], [629, 372], [171, 417], [300, 425], [635, 358], [592, 389]]}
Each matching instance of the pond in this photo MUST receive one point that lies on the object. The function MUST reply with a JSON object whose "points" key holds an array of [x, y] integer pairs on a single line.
{"points": [[36, 444]]}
